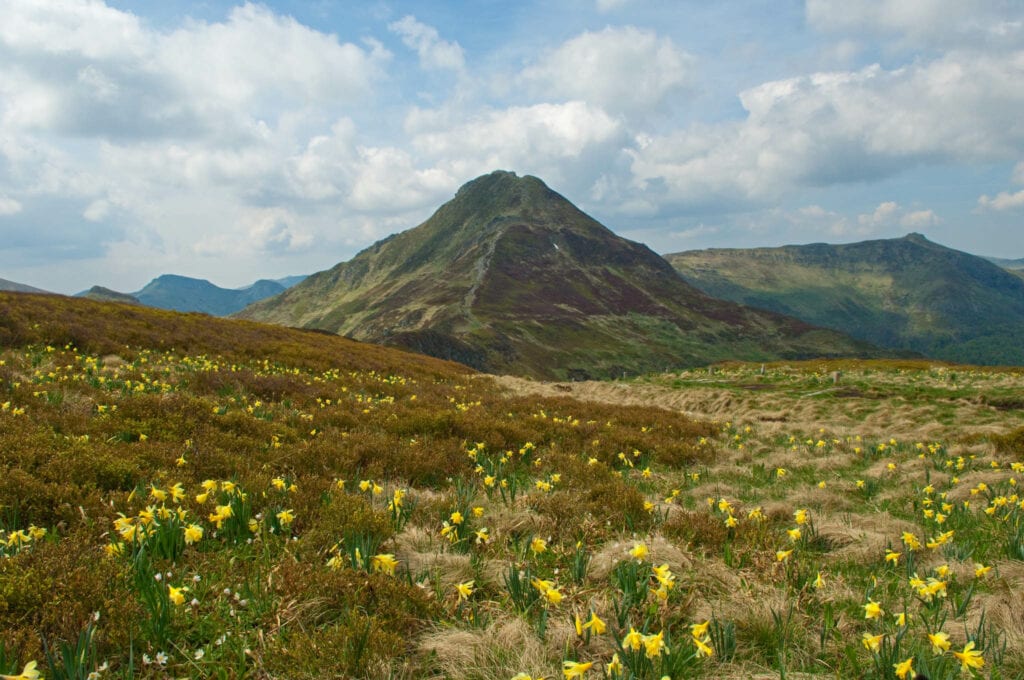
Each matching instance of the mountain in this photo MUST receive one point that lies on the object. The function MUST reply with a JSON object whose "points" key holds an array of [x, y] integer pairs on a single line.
{"points": [[107, 295], [19, 287], [509, 276], [184, 294], [906, 293]]}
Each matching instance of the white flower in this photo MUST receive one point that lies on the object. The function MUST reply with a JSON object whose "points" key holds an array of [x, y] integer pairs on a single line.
{"points": [[199, 654], [146, 660], [161, 658]]}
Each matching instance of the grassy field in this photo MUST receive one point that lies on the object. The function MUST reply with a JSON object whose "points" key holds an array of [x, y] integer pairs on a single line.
{"points": [[185, 496]]}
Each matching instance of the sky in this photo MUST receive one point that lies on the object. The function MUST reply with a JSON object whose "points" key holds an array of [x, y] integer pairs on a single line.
{"points": [[234, 142]]}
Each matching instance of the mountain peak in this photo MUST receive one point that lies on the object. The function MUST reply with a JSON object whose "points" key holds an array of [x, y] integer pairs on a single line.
{"points": [[920, 239], [511, 276]]}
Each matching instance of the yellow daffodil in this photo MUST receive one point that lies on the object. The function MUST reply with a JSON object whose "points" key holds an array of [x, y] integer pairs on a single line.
{"points": [[193, 534], [782, 555], [176, 595], [29, 672], [940, 642], [639, 552], [703, 648], [464, 590], [595, 625], [872, 642], [654, 645], [633, 640], [801, 516], [872, 610], [904, 668], [969, 658], [538, 545], [286, 517], [384, 563], [699, 630], [572, 669]]}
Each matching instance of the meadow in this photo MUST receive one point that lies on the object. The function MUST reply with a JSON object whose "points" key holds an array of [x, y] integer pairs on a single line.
{"points": [[184, 496]]}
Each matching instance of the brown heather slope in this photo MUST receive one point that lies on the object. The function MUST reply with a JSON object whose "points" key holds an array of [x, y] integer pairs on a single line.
{"points": [[510, 277], [111, 327]]}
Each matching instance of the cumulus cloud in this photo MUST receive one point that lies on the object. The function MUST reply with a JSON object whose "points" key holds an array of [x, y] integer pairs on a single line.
{"points": [[68, 75], [618, 69], [435, 54], [1004, 200], [103, 117], [567, 144], [918, 219], [883, 215], [845, 126]]}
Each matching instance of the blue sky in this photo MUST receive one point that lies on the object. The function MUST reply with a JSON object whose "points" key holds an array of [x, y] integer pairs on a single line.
{"points": [[241, 141]]}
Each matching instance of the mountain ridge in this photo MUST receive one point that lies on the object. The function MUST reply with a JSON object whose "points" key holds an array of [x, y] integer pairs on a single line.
{"points": [[907, 293], [510, 276]]}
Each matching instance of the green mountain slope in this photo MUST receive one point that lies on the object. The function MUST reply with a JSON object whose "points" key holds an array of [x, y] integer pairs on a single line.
{"points": [[509, 276], [905, 294]]}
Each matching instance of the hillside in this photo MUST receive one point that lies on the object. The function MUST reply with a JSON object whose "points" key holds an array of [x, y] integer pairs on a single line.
{"points": [[107, 295], [186, 496], [903, 294], [14, 287], [509, 276]]}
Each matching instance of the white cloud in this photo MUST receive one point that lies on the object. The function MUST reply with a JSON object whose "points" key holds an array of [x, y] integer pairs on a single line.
{"points": [[9, 206], [838, 127], [605, 6], [920, 218], [434, 53], [85, 69], [544, 139], [1004, 200], [181, 130], [618, 69], [883, 215]]}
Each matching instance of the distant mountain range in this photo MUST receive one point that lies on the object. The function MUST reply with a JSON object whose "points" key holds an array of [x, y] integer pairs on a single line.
{"points": [[511, 277], [904, 294], [185, 294]]}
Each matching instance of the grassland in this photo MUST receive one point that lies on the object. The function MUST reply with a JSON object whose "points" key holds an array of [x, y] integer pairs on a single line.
{"points": [[185, 496]]}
